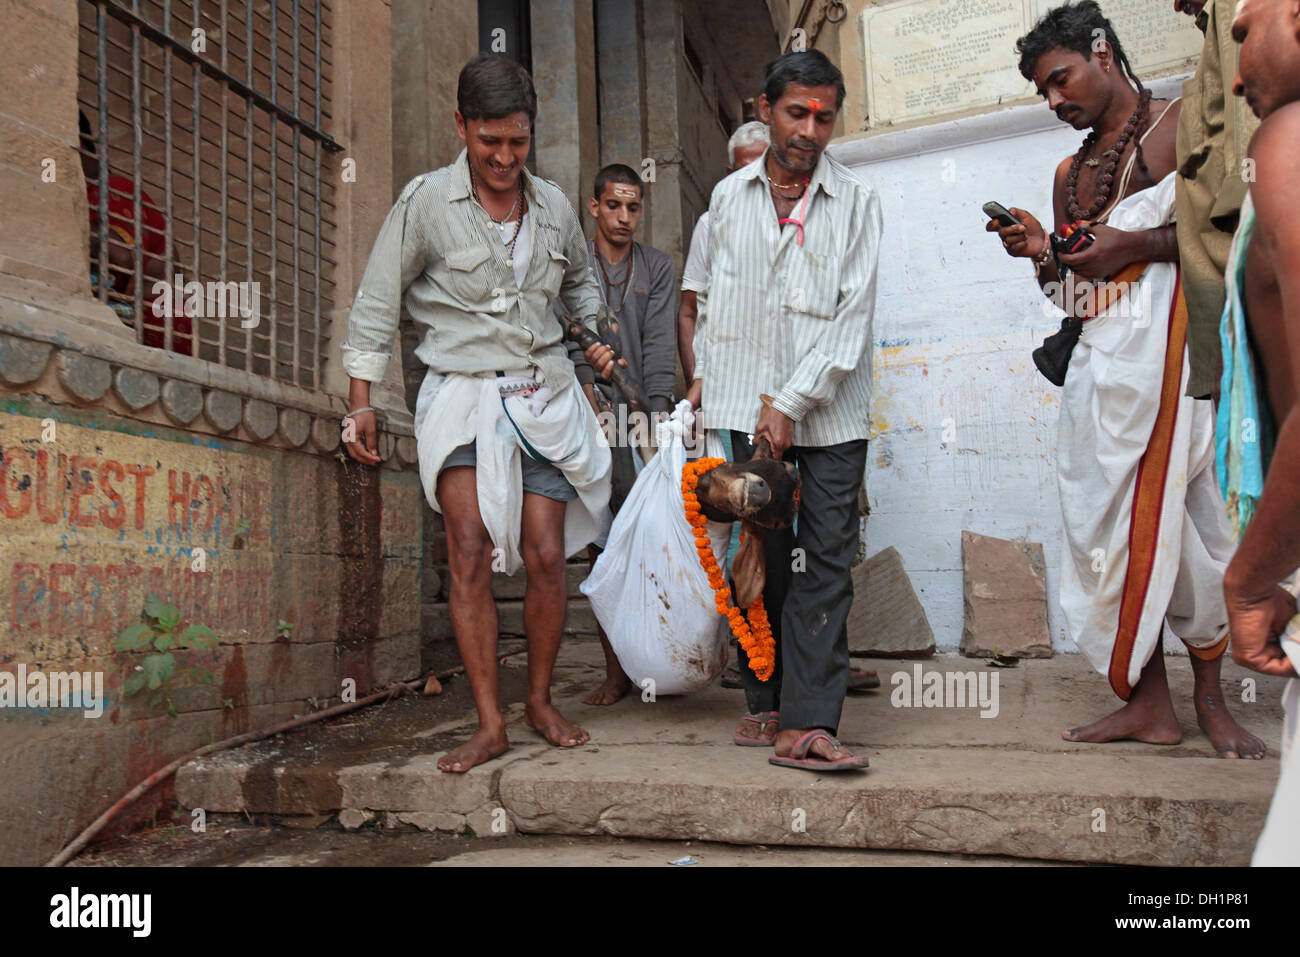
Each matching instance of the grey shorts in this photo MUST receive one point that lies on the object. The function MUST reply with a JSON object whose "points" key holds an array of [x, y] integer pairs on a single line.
{"points": [[540, 478]]}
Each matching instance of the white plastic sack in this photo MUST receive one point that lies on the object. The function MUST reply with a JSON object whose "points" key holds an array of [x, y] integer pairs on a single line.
{"points": [[648, 589]]}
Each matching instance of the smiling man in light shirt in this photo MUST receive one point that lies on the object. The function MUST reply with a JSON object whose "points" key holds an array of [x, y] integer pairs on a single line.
{"points": [[787, 313], [510, 451]]}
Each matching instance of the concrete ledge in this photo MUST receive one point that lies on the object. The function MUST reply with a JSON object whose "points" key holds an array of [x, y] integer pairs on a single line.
{"points": [[943, 780], [90, 354], [923, 799], [435, 619]]}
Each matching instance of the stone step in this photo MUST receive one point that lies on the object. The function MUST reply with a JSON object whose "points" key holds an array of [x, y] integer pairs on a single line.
{"points": [[916, 799], [503, 586], [435, 619], [942, 780]]}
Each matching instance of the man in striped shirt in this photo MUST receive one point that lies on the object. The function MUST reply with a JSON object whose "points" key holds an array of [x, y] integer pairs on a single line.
{"points": [[787, 313]]}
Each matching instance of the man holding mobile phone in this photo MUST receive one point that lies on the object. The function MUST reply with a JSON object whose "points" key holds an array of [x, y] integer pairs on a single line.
{"points": [[1146, 534]]}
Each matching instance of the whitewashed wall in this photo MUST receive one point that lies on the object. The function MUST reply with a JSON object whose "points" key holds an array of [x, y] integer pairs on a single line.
{"points": [[956, 321]]}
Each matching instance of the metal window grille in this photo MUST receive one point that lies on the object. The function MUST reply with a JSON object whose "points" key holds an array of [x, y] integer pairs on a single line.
{"points": [[203, 140]]}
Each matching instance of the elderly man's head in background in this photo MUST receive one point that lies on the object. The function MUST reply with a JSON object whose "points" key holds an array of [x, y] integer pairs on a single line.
{"points": [[747, 144]]}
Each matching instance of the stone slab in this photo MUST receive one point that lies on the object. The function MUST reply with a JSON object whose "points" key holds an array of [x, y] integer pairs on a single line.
{"points": [[295, 426], [85, 377], [942, 780], [326, 434], [916, 799], [886, 619], [222, 409], [261, 419], [436, 619], [136, 387], [21, 360], [276, 780], [182, 401], [1005, 594], [513, 586]]}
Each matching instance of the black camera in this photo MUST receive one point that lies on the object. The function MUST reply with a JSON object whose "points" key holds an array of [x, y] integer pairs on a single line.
{"points": [[1074, 238]]}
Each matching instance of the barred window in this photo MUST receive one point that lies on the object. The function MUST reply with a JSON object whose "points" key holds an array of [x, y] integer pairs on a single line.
{"points": [[212, 209]]}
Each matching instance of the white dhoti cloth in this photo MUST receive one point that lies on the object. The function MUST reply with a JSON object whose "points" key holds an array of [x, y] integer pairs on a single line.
{"points": [[1279, 842], [453, 410], [1147, 537]]}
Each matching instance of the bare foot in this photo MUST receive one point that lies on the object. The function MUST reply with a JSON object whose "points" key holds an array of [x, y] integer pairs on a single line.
{"points": [[611, 690], [484, 745], [550, 724], [1133, 722], [757, 730], [1230, 739]]}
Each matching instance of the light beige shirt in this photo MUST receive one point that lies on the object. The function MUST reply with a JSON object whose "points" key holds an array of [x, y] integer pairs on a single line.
{"points": [[439, 256], [790, 321]]}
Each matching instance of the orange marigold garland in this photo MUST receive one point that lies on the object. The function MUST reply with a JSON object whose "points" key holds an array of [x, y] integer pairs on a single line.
{"points": [[754, 635]]}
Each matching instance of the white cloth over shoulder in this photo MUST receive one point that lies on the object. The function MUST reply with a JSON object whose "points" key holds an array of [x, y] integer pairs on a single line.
{"points": [[648, 589], [1109, 407], [453, 410]]}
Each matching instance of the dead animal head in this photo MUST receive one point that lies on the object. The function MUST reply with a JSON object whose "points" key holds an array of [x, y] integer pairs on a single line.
{"points": [[761, 492]]}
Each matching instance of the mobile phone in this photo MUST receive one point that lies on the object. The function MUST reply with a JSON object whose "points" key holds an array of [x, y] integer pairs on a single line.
{"points": [[1001, 214]]}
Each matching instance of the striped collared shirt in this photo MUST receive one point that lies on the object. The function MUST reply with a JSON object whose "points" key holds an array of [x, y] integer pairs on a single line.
{"points": [[439, 255], [787, 320]]}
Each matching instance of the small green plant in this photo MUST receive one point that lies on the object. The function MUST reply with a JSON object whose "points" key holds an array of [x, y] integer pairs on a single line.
{"points": [[283, 629], [158, 634]]}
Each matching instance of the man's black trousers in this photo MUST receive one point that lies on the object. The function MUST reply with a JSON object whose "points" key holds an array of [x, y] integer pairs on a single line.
{"points": [[809, 588]]}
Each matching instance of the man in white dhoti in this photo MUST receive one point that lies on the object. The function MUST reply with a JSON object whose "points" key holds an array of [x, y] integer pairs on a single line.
{"points": [[1146, 535], [1259, 426], [510, 452]]}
